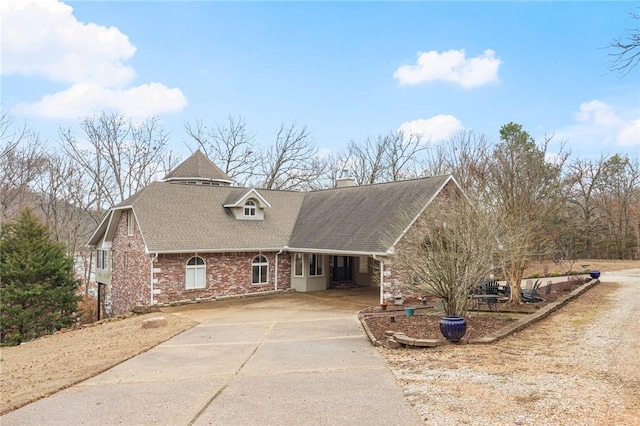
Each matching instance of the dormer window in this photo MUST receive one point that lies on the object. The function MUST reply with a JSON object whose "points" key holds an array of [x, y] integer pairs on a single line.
{"points": [[250, 208], [249, 205]]}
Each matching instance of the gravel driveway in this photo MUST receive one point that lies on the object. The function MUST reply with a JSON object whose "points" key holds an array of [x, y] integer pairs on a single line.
{"points": [[579, 367]]}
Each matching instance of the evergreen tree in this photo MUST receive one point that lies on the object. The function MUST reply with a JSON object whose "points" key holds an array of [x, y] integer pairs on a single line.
{"points": [[37, 283]]}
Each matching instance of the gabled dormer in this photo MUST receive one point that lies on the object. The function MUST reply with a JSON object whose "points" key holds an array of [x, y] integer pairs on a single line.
{"points": [[198, 170], [250, 205]]}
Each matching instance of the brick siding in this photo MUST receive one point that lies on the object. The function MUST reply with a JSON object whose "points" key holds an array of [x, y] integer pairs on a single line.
{"points": [[227, 274], [395, 281], [129, 283]]}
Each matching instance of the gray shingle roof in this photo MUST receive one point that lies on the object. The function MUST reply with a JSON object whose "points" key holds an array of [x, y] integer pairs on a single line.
{"points": [[198, 166], [362, 218], [176, 217], [359, 219]]}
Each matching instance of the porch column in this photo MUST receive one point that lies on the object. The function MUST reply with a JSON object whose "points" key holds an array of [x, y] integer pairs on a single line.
{"points": [[381, 281]]}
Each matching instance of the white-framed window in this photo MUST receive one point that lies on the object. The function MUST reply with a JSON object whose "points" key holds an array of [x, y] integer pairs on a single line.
{"points": [[250, 208], [315, 264], [259, 270], [364, 264], [195, 273], [101, 259], [130, 223], [298, 270]]}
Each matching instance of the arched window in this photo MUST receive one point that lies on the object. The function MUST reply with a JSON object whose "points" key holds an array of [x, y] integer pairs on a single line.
{"points": [[259, 270], [250, 208], [196, 273]]}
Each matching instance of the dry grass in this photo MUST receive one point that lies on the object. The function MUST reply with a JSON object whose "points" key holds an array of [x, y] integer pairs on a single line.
{"points": [[594, 264], [39, 368]]}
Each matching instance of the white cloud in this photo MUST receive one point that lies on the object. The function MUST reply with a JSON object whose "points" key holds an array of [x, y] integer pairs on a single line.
{"points": [[452, 66], [629, 134], [598, 124], [43, 38], [433, 129], [136, 102], [598, 113]]}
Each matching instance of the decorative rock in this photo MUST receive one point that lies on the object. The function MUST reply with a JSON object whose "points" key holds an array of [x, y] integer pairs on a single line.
{"points": [[155, 322], [144, 309], [391, 343]]}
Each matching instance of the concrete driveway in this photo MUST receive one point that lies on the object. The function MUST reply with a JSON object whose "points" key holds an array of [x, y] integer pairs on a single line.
{"points": [[290, 359]]}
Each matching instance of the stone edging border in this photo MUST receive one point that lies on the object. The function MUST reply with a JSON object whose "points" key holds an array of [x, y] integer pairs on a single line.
{"points": [[145, 309], [395, 340]]}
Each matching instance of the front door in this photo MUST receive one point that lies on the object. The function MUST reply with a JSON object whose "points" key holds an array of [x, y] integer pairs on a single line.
{"points": [[342, 269]]}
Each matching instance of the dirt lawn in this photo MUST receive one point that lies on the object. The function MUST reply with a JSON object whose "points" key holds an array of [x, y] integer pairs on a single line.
{"points": [[580, 366], [39, 368], [551, 360]]}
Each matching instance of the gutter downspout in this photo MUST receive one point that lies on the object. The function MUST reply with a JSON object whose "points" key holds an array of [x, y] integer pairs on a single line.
{"points": [[153, 259], [375, 257], [275, 279]]}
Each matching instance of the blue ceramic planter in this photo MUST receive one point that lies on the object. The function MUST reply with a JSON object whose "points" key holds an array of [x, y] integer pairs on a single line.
{"points": [[453, 328], [594, 274], [409, 311]]}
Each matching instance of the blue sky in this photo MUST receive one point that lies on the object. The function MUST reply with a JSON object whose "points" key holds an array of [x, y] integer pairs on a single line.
{"points": [[346, 70]]}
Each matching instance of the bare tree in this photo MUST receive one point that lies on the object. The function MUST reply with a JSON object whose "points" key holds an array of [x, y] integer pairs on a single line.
{"points": [[403, 154], [148, 156], [386, 157], [230, 145], [619, 203], [61, 191], [465, 156], [330, 169], [23, 156], [449, 250], [582, 213], [527, 194], [291, 162], [626, 55], [118, 156], [367, 159]]}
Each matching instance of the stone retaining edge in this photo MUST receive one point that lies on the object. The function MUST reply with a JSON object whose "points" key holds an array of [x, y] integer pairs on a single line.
{"points": [[395, 340], [157, 306]]}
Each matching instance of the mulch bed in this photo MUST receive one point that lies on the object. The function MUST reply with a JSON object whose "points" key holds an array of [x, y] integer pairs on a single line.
{"points": [[425, 323], [421, 326]]}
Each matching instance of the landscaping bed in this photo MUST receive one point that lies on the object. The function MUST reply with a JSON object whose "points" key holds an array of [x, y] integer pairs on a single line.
{"points": [[425, 323], [422, 326]]}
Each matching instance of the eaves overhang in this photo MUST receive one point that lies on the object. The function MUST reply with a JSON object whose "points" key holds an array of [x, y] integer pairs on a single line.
{"points": [[251, 193], [197, 179], [415, 218], [279, 248]]}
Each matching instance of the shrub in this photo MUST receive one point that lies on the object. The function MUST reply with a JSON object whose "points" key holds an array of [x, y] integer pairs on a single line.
{"points": [[37, 283], [88, 310]]}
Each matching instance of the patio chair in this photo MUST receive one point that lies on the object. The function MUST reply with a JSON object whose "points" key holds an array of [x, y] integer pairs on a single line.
{"points": [[531, 296], [491, 287], [504, 293], [507, 290]]}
